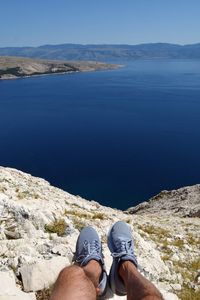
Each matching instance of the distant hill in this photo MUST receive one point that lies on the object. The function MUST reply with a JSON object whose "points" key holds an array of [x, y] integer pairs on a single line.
{"points": [[106, 52]]}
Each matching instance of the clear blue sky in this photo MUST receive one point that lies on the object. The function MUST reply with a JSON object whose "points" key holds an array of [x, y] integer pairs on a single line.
{"points": [[38, 22]]}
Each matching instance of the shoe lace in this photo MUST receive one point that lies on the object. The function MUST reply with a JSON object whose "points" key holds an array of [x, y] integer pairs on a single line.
{"points": [[123, 248], [89, 249]]}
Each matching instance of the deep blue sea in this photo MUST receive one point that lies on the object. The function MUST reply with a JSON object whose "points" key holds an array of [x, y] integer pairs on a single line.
{"points": [[117, 137]]}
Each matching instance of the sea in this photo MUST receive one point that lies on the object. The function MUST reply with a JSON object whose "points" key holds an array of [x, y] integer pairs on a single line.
{"points": [[118, 136]]}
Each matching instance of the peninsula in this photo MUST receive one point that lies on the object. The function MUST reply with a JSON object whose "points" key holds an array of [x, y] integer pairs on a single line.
{"points": [[16, 67]]}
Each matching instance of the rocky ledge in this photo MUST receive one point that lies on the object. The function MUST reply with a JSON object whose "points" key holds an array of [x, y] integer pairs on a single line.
{"points": [[39, 225], [16, 67], [184, 202]]}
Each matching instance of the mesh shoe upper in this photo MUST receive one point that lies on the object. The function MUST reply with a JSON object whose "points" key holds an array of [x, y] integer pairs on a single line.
{"points": [[120, 243], [88, 247]]}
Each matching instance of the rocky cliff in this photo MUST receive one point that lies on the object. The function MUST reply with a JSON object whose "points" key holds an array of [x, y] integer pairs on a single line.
{"points": [[184, 202], [39, 225]]}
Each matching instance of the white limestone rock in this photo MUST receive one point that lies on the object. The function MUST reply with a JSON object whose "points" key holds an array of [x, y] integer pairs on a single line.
{"points": [[42, 274], [176, 287], [169, 296], [7, 281], [150, 262], [8, 289]]}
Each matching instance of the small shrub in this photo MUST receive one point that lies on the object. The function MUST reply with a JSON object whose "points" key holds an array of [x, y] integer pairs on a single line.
{"points": [[78, 224], [128, 220], [58, 226], [23, 194], [99, 216], [192, 240], [178, 243], [44, 294], [195, 264], [36, 196], [165, 248], [166, 257]]}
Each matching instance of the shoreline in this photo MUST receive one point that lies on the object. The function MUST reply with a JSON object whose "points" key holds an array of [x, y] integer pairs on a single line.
{"points": [[19, 67], [39, 75], [59, 73]]}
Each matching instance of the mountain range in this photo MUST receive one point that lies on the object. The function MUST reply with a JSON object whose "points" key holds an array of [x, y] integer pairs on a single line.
{"points": [[106, 52]]}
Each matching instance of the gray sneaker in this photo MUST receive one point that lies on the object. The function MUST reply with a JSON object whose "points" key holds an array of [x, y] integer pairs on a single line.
{"points": [[88, 247], [120, 243]]}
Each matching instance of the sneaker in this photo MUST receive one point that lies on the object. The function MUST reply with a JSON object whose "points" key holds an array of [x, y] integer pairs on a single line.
{"points": [[88, 247], [120, 243]]}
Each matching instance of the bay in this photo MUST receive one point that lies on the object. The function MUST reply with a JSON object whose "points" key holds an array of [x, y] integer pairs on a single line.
{"points": [[117, 137]]}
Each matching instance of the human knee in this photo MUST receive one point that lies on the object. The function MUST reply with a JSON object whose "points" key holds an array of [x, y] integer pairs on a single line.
{"points": [[71, 271]]}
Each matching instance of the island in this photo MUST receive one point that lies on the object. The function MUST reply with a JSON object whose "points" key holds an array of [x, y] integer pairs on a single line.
{"points": [[16, 67]]}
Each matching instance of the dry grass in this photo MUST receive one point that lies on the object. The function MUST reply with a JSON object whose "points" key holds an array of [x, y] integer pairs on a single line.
{"points": [[128, 220], [188, 270], [79, 224], [58, 226], [99, 216], [26, 194], [84, 215], [178, 243], [44, 294], [190, 266], [192, 240], [166, 257], [188, 294], [23, 194], [195, 264], [155, 231], [76, 213]]}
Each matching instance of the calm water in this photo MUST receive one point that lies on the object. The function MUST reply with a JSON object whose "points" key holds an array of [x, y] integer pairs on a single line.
{"points": [[117, 137]]}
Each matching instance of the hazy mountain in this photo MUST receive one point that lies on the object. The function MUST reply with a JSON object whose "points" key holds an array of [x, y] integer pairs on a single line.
{"points": [[106, 52]]}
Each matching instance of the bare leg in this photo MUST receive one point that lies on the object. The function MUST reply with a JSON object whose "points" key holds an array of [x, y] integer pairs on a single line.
{"points": [[75, 282], [138, 287]]}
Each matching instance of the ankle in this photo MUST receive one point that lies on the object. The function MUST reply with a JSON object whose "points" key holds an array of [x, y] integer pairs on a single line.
{"points": [[93, 271], [125, 268]]}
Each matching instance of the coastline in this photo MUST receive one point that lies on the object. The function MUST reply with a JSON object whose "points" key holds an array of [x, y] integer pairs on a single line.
{"points": [[19, 67], [38, 75]]}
